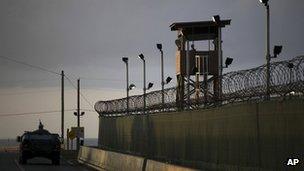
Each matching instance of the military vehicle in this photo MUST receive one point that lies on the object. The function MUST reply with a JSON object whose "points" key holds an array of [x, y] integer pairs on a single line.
{"points": [[39, 143]]}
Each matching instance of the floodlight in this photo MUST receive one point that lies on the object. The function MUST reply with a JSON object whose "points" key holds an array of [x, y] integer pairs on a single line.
{"points": [[75, 113], [82, 113], [150, 85], [277, 50], [265, 2], [141, 56], [216, 19], [125, 59], [290, 65], [131, 86], [228, 61], [168, 80], [159, 46]]}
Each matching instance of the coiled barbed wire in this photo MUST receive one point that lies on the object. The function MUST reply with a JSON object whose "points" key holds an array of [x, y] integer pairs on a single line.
{"points": [[286, 77]]}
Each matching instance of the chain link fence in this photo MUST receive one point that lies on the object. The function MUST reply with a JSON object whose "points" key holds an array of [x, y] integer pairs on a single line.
{"points": [[287, 78]]}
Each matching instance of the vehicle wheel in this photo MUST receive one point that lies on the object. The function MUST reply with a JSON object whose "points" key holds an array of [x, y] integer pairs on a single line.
{"points": [[22, 160], [56, 161]]}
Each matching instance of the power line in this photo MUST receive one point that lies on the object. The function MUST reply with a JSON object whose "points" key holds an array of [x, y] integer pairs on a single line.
{"points": [[106, 79], [33, 113], [31, 92], [88, 102], [28, 92], [100, 79], [71, 76], [22, 81], [30, 65], [46, 70]]}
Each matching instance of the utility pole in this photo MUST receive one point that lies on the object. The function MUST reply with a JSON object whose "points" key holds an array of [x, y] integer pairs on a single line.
{"points": [[127, 77], [267, 52], [188, 73], [142, 57], [67, 142], [125, 60], [145, 89], [78, 110], [268, 57], [159, 47], [78, 103], [62, 106]]}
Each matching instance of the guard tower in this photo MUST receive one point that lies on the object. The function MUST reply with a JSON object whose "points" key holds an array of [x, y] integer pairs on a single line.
{"points": [[195, 63]]}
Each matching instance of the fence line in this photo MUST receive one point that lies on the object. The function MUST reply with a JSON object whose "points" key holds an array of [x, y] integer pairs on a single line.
{"points": [[287, 77]]}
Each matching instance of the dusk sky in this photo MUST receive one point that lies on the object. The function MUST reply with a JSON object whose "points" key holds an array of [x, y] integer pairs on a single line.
{"points": [[88, 38]]}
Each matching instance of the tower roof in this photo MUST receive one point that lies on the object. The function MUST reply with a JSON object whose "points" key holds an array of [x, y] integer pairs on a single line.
{"points": [[199, 30]]}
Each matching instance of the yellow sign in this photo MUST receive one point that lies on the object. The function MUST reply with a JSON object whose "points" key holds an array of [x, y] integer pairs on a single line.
{"points": [[79, 131], [72, 134]]}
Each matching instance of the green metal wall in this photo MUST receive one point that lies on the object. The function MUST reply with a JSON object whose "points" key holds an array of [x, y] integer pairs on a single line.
{"points": [[240, 136]]}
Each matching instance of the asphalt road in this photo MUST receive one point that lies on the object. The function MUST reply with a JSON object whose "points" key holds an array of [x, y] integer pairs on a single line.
{"points": [[9, 162]]}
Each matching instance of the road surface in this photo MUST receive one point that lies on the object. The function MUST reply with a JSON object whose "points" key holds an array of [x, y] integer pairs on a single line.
{"points": [[9, 161]]}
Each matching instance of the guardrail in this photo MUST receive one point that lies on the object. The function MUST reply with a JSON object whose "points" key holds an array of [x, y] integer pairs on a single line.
{"points": [[287, 78]]}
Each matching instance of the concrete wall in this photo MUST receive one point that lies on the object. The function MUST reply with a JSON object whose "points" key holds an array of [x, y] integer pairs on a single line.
{"points": [[107, 160], [246, 136]]}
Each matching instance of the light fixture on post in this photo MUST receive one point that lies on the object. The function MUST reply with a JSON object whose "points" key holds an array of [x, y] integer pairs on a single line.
{"points": [[125, 60], [217, 20], [78, 114], [265, 2], [228, 62], [81, 114], [159, 47], [150, 85], [131, 86], [142, 57], [168, 80], [277, 50]]}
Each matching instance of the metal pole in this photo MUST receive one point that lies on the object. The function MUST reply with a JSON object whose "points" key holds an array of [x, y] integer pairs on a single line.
{"points": [[268, 54], [67, 141], [127, 77], [188, 74], [197, 77], [62, 106], [78, 109], [290, 75], [220, 60], [144, 62], [72, 142], [162, 79], [206, 65], [78, 103]]}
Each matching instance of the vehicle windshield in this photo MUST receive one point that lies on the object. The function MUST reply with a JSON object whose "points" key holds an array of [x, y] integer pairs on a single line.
{"points": [[41, 137]]}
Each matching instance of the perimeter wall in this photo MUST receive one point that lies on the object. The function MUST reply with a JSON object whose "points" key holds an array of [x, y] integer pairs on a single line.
{"points": [[245, 136]]}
